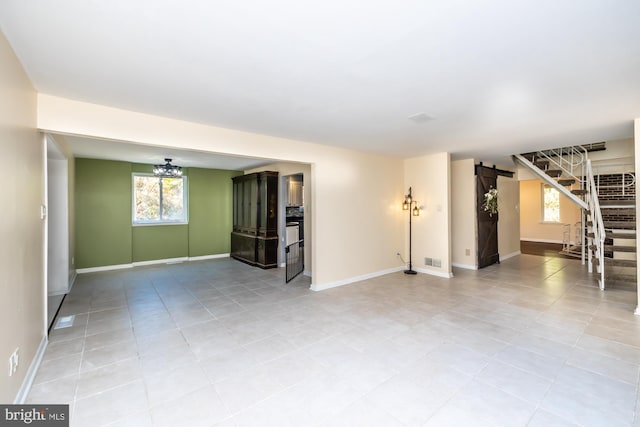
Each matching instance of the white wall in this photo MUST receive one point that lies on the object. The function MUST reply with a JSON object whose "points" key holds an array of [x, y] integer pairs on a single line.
{"points": [[22, 293], [58, 226], [508, 216], [355, 225], [429, 177], [463, 214], [618, 151]]}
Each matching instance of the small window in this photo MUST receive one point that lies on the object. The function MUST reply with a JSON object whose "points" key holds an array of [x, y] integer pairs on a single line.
{"points": [[159, 200], [550, 204]]}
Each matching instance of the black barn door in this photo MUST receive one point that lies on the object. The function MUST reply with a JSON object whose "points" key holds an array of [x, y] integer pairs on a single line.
{"points": [[486, 179]]}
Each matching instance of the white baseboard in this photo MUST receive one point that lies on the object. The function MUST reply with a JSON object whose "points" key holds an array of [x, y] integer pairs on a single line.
{"points": [[465, 266], [103, 268], [150, 262], [350, 280], [306, 273], [160, 261], [283, 264], [443, 274], [25, 388], [205, 257], [637, 312], [511, 255]]}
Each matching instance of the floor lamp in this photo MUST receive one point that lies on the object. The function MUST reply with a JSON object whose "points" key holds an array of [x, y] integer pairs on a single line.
{"points": [[412, 206]]}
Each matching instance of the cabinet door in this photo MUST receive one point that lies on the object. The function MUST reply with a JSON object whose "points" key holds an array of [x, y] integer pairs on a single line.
{"points": [[236, 204], [295, 191], [251, 204], [269, 206]]}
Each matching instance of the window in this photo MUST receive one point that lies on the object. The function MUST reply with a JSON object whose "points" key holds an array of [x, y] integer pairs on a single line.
{"points": [[159, 200], [550, 204]]}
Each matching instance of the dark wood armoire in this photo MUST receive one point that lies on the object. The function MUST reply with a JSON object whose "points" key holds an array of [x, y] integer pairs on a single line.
{"points": [[254, 238]]}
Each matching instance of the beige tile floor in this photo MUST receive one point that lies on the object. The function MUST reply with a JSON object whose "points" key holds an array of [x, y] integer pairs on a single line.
{"points": [[531, 341]]}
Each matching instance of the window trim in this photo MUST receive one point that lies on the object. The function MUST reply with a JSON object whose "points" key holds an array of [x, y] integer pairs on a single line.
{"points": [[542, 218], [185, 202]]}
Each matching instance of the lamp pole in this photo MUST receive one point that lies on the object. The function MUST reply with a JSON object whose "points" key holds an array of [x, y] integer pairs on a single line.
{"points": [[407, 205]]}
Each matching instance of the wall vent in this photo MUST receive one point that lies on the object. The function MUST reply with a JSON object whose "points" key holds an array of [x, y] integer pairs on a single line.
{"points": [[428, 261]]}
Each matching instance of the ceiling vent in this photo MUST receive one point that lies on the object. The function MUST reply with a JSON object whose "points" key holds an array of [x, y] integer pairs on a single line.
{"points": [[420, 118]]}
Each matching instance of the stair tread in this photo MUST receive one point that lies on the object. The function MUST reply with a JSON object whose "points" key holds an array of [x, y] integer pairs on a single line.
{"points": [[614, 262], [626, 225], [615, 248], [625, 203], [579, 192], [616, 235], [620, 262], [566, 182], [554, 173], [612, 235], [541, 164], [626, 282], [621, 277]]}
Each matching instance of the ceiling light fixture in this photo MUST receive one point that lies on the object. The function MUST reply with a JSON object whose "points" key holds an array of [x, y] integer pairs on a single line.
{"points": [[167, 170]]}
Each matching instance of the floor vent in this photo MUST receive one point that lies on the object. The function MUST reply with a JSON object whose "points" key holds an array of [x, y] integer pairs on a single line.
{"points": [[65, 322]]}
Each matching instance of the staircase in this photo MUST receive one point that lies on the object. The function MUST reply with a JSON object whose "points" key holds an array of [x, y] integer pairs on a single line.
{"points": [[605, 238]]}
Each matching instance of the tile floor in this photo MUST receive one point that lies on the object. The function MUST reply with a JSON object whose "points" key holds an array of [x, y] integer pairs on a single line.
{"points": [[529, 342]]}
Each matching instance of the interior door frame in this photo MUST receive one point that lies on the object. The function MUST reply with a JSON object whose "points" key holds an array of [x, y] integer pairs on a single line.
{"points": [[56, 206]]}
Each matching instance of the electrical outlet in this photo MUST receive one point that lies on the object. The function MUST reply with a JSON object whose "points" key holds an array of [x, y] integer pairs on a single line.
{"points": [[467, 252], [73, 260]]}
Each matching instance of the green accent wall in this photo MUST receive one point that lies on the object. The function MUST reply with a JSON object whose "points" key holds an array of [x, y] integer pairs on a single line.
{"points": [[102, 212], [105, 234], [210, 211], [160, 242]]}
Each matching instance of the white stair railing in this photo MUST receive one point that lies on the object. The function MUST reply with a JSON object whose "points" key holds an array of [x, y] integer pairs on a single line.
{"points": [[575, 163], [597, 227]]}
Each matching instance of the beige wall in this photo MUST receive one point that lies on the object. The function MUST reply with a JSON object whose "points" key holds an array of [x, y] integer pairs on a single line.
{"points": [[620, 150], [464, 218], [463, 214], [288, 168], [22, 230], [509, 216], [429, 177], [531, 226], [355, 225]]}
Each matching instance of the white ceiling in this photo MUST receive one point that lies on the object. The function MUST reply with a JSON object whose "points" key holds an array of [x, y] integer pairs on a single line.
{"points": [[147, 154], [496, 77]]}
